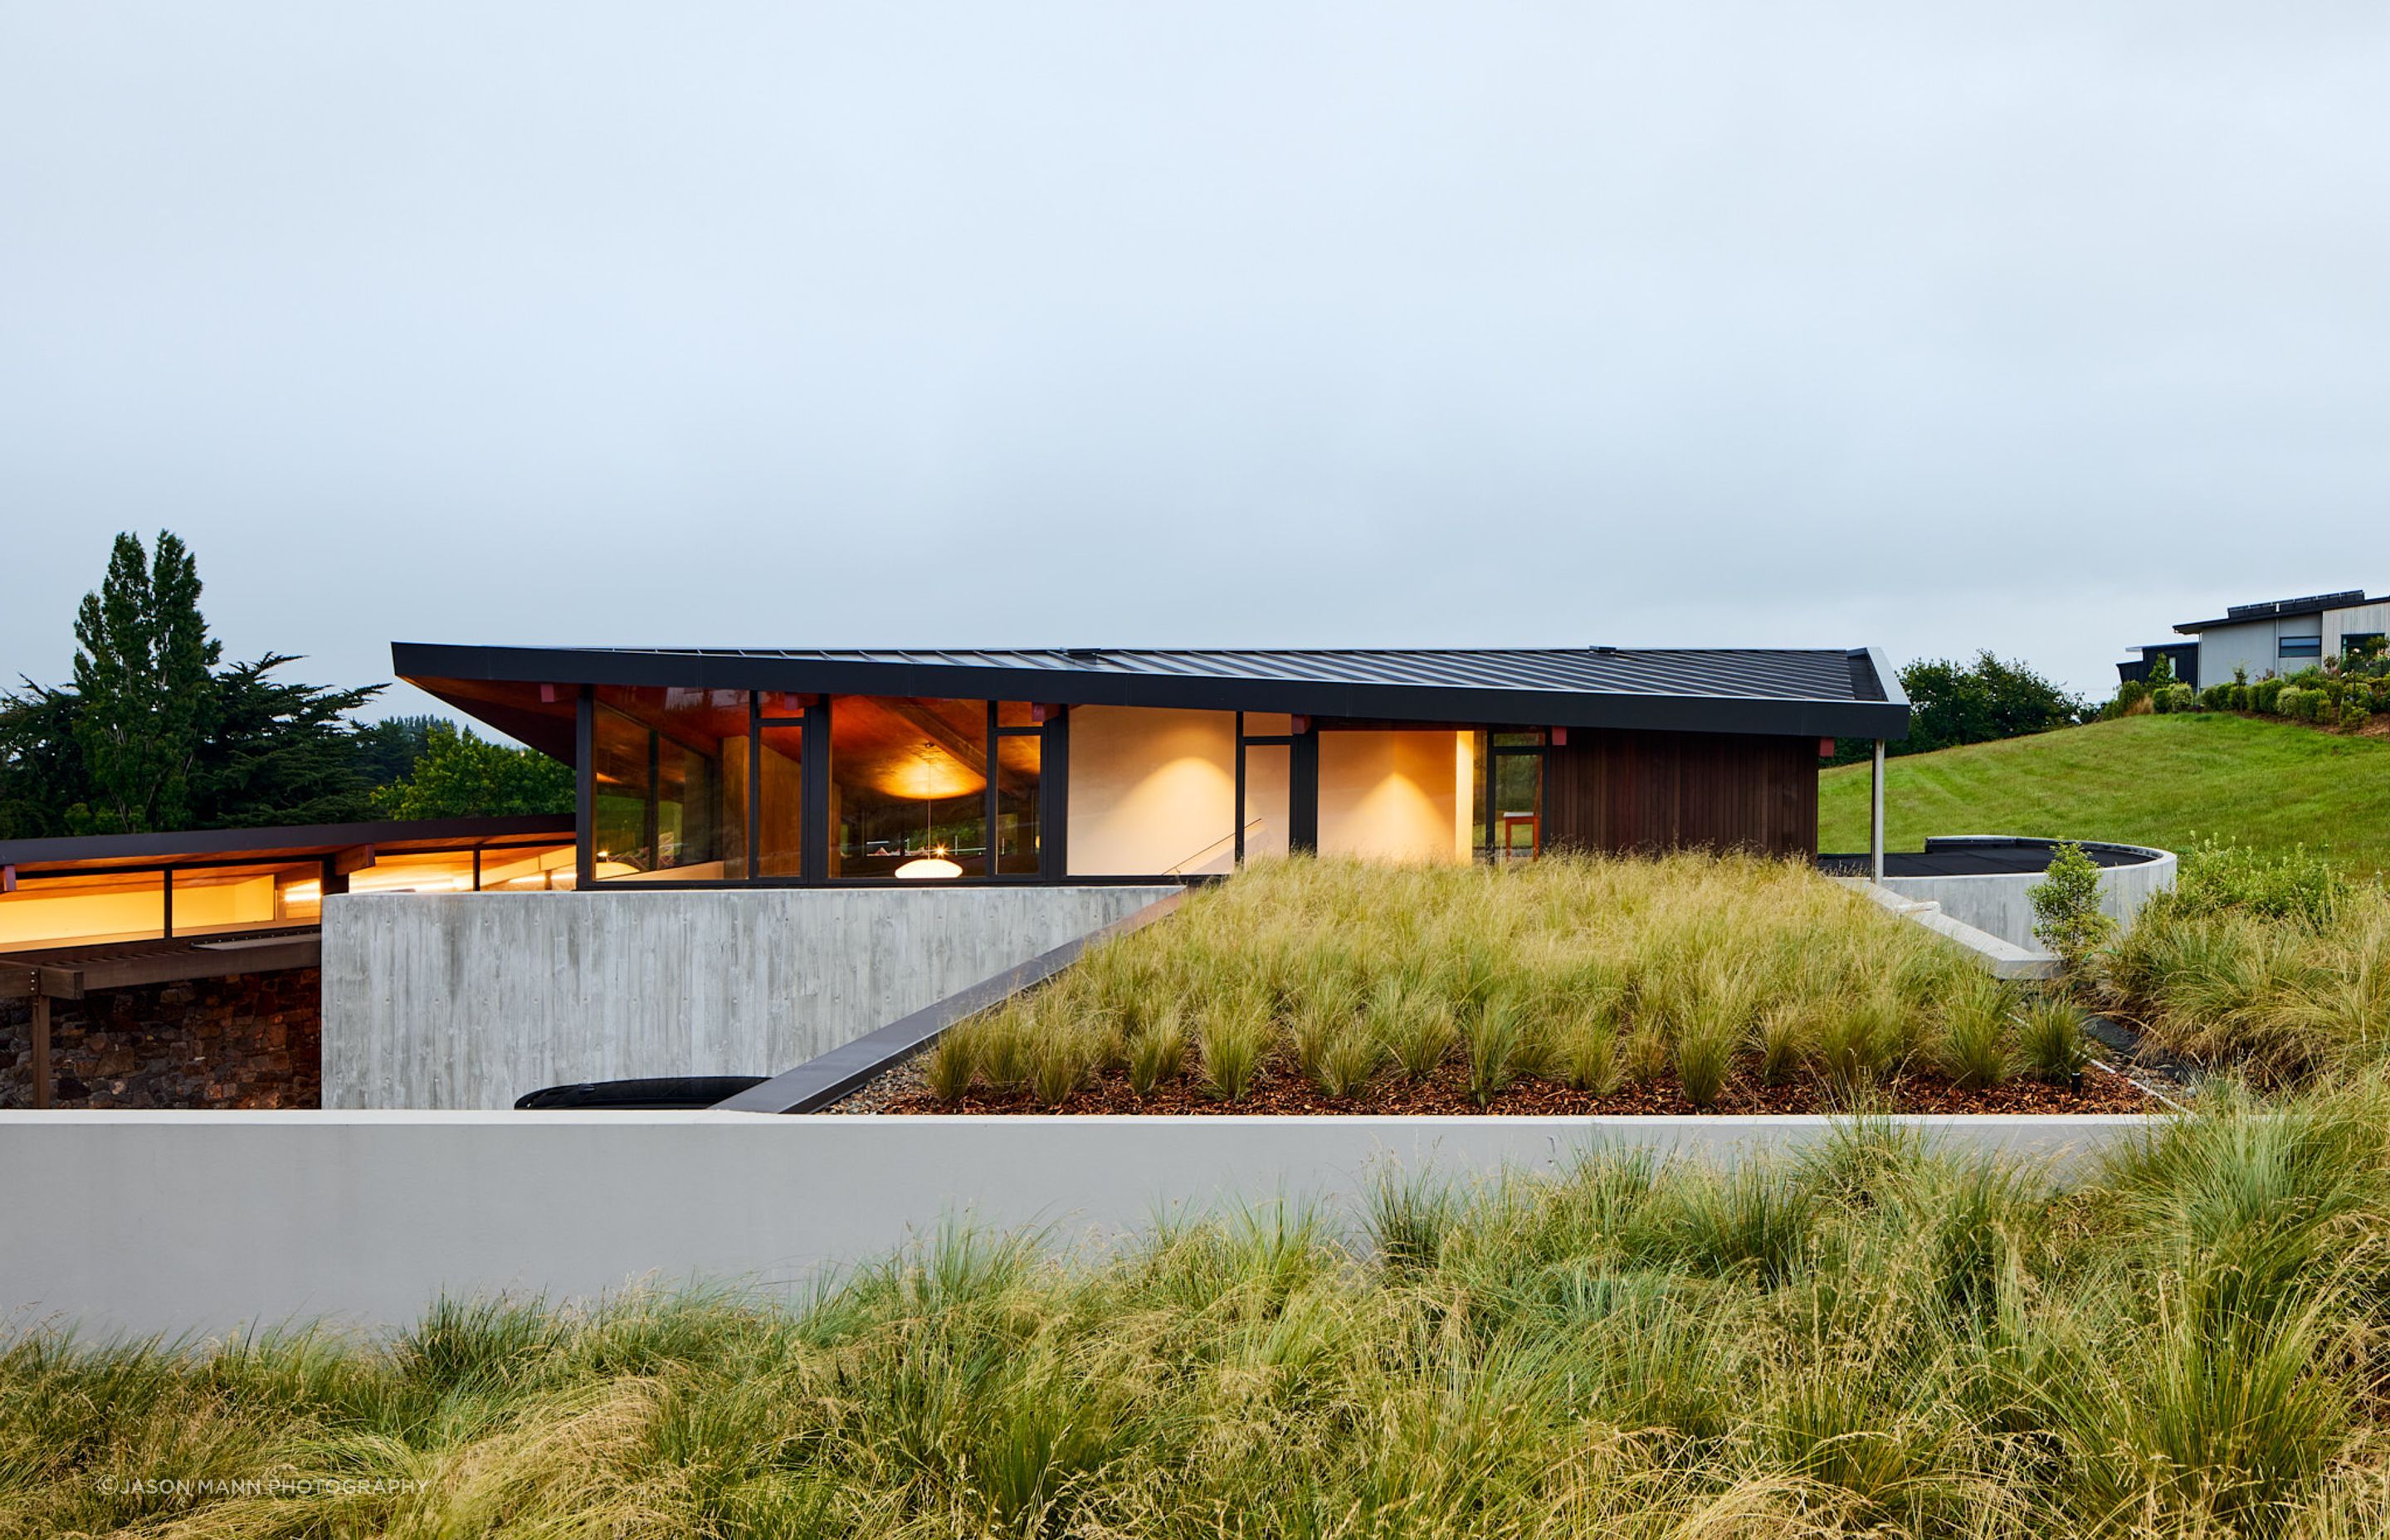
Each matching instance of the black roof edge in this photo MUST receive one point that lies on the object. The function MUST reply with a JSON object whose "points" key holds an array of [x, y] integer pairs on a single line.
{"points": [[2289, 610], [459, 833], [1886, 718]]}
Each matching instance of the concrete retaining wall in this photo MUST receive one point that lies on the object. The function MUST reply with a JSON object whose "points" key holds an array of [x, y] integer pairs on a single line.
{"points": [[169, 1222], [2002, 905], [470, 1000]]}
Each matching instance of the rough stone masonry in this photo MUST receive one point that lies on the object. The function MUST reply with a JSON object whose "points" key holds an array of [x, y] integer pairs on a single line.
{"points": [[252, 1040]]}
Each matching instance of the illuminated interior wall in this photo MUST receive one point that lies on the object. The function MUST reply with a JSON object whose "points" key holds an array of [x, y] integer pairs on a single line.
{"points": [[223, 901], [1152, 790], [116, 908], [1394, 795]]}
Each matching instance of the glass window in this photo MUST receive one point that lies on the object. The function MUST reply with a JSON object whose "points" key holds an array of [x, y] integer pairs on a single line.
{"points": [[1506, 794], [779, 838], [1269, 791], [909, 787], [49, 911], [1154, 790], [1019, 762], [2302, 647], [1396, 795], [212, 901], [660, 808]]}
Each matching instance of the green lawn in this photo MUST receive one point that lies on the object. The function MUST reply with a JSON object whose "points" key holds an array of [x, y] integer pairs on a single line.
{"points": [[2146, 780]]}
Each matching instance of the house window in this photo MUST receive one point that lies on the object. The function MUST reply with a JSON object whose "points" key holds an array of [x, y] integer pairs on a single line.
{"points": [[2361, 644], [2302, 647]]}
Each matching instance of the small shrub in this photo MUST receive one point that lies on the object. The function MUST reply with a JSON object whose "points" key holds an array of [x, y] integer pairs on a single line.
{"points": [[2066, 906], [2266, 695], [2051, 1039], [2354, 712], [1156, 1053], [950, 1064], [1348, 1061], [2297, 884]]}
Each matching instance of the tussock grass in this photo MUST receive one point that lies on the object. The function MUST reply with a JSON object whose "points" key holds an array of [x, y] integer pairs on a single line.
{"points": [[2276, 991], [1874, 1340], [1592, 971]]}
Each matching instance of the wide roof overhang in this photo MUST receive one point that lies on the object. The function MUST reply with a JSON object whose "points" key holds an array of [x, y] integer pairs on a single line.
{"points": [[527, 692]]}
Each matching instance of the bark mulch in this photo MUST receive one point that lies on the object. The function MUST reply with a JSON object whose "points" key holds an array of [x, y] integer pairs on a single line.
{"points": [[901, 1092]]}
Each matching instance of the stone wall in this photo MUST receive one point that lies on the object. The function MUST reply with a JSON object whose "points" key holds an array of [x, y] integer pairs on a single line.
{"points": [[252, 1040]]}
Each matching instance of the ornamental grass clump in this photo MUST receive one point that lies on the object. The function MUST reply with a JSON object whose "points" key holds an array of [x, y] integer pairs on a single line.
{"points": [[948, 1066], [1157, 1051], [2051, 1039], [1235, 1034]]}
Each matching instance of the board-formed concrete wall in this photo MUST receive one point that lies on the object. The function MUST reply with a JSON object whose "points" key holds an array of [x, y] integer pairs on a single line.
{"points": [[470, 1000], [169, 1222], [2002, 903]]}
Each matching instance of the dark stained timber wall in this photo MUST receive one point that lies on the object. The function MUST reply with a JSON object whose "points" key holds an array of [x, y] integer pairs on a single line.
{"points": [[1627, 791]]}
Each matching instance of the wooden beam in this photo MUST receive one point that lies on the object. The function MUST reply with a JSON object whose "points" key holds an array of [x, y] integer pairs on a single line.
{"points": [[974, 756], [8, 880], [356, 858]]}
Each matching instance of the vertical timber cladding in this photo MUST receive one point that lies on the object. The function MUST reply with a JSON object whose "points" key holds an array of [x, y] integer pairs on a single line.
{"points": [[1619, 791]]}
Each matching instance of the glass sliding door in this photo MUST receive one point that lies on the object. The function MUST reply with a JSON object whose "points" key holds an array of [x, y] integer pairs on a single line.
{"points": [[1508, 794]]}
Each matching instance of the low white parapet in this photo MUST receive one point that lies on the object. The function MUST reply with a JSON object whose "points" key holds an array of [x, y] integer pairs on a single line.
{"points": [[174, 1222]]}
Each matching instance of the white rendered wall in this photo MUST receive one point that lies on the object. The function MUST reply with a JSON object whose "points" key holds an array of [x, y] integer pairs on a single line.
{"points": [[470, 1000], [1151, 790], [2002, 903], [173, 1221], [1391, 796]]}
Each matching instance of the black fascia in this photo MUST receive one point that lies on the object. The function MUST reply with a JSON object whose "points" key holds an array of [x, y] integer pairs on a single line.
{"points": [[1494, 706]]}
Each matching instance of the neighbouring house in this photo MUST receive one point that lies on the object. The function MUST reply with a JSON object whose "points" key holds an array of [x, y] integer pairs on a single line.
{"points": [[2272, 637]]}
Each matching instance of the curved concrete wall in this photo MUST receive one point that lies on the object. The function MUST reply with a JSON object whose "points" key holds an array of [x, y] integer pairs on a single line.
{"points": [[470, 1000], [2002, 903]]}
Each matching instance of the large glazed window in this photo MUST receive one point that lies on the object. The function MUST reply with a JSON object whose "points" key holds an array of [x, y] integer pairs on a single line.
{"points": [[660, 808], [1152, 791], [908, 782], [1507, 800], [1394, 796]]}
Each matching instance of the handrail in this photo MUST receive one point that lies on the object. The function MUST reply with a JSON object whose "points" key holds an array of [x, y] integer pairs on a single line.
{"points": [[1228, 839]]}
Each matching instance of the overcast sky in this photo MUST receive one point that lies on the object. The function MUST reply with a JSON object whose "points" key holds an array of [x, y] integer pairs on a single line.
{"points": [[2033, 327]]}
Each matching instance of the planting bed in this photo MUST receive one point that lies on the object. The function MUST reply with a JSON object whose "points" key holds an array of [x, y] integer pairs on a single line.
{"points": [[903, 1091], [1574, 986]]}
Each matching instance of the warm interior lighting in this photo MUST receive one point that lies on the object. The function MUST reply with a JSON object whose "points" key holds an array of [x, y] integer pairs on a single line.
{"points": [[929, 865]]}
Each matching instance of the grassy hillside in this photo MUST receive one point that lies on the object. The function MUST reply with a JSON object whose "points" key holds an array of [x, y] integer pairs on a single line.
{"points": [[2150, 780]]}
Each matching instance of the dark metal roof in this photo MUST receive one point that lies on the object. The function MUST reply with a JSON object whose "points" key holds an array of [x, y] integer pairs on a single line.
{"points": [[297, 842], [2275, 610], [1823, 691]]}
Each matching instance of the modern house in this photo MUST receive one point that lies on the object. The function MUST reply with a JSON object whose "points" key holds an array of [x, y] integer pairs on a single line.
{"points": [[824, 768], [2272, 637], [776, 852]]}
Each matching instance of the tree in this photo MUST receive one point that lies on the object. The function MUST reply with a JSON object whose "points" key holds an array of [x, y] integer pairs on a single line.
{"points": [[143, 690], [151, 736], [461, 776], [1952, 703], [388, 749], [279, 754]]}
